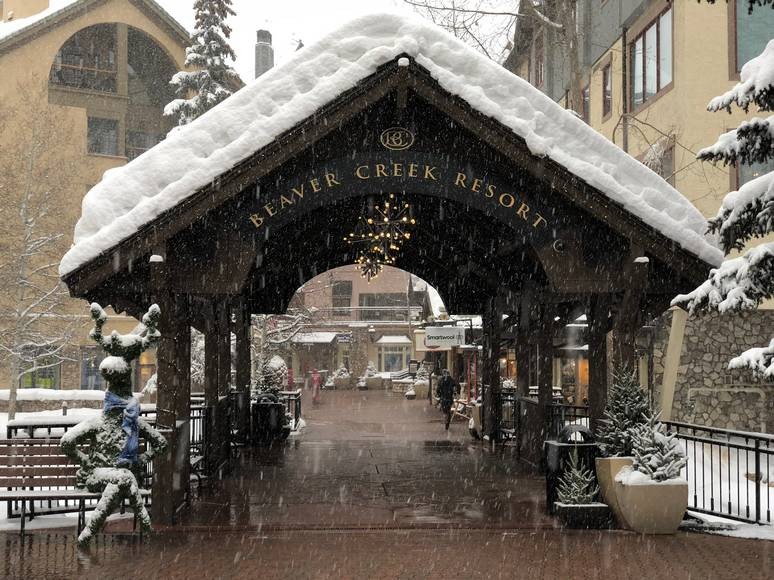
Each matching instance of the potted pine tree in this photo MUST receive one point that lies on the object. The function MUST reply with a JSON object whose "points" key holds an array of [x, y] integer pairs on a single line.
{"points": [[651, 493], [626, 409], [342, 378], [578, 507]]}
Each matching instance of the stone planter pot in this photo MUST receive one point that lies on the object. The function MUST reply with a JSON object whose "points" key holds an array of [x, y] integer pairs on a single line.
{"points": [[653, 508], [607, 469], [339, 383], [373, 383], [591, 516]]}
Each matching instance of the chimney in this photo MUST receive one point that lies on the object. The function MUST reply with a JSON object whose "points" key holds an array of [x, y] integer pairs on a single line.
{"points": [[264, 53]]}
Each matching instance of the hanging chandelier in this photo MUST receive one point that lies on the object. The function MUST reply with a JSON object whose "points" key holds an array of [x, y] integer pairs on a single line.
{"points": [[377, 239]]}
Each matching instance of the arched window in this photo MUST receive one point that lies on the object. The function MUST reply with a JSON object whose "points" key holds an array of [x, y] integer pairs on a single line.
{"points": [[88, 60]]}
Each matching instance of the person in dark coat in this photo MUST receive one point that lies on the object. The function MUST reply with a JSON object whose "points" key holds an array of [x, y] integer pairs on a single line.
{"points": [[446, 391]]}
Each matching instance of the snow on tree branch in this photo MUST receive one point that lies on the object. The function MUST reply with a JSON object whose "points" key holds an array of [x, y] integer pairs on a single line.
{"points": [[752, 142], [738, 284], [760, 360], [756, 85], [745, 214], [212, 78]]}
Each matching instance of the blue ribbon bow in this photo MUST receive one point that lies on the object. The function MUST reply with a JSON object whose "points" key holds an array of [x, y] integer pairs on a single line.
{"points": [[129, 425]]}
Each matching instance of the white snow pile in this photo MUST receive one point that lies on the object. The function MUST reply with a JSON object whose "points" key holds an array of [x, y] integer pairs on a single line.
{"points": [[193, 156], [11, 27], [756, 76], [629, 476]]}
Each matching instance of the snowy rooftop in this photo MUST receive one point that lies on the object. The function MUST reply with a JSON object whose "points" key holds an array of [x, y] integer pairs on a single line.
{"points": [[314, 337], [394, 339], [131, 196], [13, 26]]}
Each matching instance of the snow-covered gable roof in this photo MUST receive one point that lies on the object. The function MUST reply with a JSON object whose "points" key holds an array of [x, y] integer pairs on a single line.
{"points": [[10, 29], [193, 156]]}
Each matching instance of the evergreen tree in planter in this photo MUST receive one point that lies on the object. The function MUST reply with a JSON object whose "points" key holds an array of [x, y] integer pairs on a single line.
{"points": [[627, 408], [112, 464], [210, 82], [577, 492], [657, 454], [651, 494]]}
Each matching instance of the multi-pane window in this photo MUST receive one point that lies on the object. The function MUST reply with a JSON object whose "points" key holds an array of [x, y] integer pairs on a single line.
{"points": [[607, 91], [749, 172], [342, 298], [387, 306], [103, 136], [88, 60], [138, 142], [44, 374], [392, 358], [651, 59], [91, 379], [753, 31]]}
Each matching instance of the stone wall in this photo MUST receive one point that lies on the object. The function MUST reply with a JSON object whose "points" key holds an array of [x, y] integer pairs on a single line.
{"points": [[707, 392]]}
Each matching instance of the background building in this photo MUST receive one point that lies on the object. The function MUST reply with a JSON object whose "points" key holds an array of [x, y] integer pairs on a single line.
{"points": [[645, 71], [84, 86]]}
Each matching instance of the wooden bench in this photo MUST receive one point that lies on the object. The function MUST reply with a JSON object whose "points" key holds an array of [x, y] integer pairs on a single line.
{"points": [[26, 465]]}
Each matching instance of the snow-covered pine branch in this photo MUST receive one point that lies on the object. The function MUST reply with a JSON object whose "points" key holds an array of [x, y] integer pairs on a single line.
{"points": [[212, 78], [744, 282]]}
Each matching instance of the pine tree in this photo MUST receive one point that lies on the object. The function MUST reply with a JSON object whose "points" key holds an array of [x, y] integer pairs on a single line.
{"points": [[626, 409], [112, 465], [274, 375], [656, 453], [742, 283], [209, 83], [577, 485]]}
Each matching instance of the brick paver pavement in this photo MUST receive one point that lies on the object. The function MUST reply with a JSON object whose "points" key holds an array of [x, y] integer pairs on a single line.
{"points": [[375, 488]]}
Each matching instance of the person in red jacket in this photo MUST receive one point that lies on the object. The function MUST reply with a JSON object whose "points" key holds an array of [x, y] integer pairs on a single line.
{"points": [[316, 386]]}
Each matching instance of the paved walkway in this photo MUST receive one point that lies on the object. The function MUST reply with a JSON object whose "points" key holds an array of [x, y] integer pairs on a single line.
{"points": [[376, 488]]}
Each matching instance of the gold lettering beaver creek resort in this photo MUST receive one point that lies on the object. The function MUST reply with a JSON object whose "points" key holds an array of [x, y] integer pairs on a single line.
{"points": [[404, 172], [312, 186], [506, 200]]}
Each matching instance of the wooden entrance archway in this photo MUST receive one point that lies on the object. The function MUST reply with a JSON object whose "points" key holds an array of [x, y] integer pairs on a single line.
{"points": [[501, 231]]}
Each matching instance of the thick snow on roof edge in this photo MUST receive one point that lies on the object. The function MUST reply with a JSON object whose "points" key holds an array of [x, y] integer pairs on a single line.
{"points": [[10, 27], [192, 156]]}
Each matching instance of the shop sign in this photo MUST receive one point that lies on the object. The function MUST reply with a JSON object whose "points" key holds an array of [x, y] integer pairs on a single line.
{"points": [[444, 336]]}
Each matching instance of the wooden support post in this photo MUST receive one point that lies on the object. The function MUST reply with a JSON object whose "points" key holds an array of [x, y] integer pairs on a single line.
{"points": [[170, 480], [242, 330], [210, 356], [523, 345], [223, 315], [545, 361], [492, 319], [628, 316], [598, 371]]}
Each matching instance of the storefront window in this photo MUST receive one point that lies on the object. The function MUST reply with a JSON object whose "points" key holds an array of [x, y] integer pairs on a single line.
{"points": [[45, 375], [394, 358]]}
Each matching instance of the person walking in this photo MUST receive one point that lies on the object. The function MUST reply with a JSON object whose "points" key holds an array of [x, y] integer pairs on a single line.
{"points": [[446, 390], [316, 385]]}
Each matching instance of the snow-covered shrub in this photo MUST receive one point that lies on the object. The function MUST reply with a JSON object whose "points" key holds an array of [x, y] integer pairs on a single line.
{"points": [[657, 454], [422, 373], [341, 373], [627, 408], [151, 386], [274, 376], [577, 485], [370, 369]]}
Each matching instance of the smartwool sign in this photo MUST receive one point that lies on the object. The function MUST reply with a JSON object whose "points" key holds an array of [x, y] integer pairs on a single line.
{"points": [[402, 172]]}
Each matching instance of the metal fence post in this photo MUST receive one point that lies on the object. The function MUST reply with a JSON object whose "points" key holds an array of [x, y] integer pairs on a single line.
{"points": [[758, 480]]}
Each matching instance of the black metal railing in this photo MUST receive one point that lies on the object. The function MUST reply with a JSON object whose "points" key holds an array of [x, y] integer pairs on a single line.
{"points": [[54, 426], [292, 402], [729, 473], [560, 415]]}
